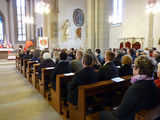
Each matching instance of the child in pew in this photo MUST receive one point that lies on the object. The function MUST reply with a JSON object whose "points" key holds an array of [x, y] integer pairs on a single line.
{"points": [[85, 76], [142, 94]]}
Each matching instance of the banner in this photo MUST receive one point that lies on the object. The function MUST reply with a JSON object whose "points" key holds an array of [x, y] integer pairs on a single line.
{"points": [[43, 43]]}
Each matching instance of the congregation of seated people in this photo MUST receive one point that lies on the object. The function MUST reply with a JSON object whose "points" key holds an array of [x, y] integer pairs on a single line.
{"points": [[90, 67]]}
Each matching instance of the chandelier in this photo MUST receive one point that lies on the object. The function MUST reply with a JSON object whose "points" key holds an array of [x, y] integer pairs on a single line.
{"points": [[28, 20], [153, 6], [42, 7]]}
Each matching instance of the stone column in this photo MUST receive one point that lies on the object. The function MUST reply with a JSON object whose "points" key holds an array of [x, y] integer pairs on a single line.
{"points": [[98, 27], [103, 24], [150, 31], [51, 25], [32, 14], [9, 25], [91, 24]]}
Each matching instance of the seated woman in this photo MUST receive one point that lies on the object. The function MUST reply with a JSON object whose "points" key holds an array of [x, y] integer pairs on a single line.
{"points": [[126, 68], [157, 81], [55, 57], [142, 94], [118, 58], [46, 62]]}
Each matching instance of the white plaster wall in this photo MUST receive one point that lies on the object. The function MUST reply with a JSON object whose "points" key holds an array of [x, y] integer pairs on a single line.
{"points": [[66, 9], [3, 9], [134, 24]]}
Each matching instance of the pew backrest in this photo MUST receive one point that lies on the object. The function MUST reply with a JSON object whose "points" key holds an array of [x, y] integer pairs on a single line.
{"points": [[150, 114], [94, 89]]}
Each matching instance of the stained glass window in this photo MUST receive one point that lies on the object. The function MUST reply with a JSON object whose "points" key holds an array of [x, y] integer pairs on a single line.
{"points": [[20, 21]]}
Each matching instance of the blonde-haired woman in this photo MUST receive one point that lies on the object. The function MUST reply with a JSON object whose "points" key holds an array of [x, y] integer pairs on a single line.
{"points": [[126, 68]]}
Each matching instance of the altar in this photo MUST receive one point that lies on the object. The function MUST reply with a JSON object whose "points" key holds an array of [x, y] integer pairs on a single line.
{"points": [[4, 52]]}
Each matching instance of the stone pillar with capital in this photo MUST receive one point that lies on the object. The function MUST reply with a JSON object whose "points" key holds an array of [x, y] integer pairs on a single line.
{"points": [[51, 25]]}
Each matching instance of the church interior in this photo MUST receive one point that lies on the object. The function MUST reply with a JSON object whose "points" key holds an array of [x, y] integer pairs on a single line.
{"points": [[79, 59]]}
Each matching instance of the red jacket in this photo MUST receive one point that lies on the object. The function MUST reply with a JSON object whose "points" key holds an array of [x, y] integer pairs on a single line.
{"points": [[157, 82]]}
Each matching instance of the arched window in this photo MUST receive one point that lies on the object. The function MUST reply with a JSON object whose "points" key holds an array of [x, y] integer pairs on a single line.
{"points": [[117, 12], [1, 29], [21, 13]]}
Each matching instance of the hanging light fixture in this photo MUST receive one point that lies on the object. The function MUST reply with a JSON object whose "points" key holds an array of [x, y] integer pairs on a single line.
{"points": [[42, 7], [153, 6], [28, 20]]}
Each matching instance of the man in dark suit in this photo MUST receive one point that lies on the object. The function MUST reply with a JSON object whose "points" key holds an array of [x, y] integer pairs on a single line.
{"points": [[85, 76], [62, 67], [109, 70]]}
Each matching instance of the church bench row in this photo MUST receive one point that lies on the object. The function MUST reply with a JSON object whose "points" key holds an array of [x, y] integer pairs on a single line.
{"points": [[84, 92], [78, 112], [34, 75], [45, 79], [56, 99], [17, 60], [30, 69]]}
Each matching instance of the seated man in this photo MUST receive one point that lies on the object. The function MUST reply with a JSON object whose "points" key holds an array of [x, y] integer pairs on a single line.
{"points": [[109, 70], [62, 67], [77, 63], [99, 56], [85, 76]]}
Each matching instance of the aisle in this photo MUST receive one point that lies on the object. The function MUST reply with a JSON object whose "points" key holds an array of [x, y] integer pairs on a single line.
{"points": [[19, 100]]}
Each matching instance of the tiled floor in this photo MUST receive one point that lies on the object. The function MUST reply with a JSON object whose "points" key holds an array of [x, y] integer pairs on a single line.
{"points": [[18, 99]]}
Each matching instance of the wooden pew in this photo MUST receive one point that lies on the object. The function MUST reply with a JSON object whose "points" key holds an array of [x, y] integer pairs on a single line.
{"points": [[30, 70], [25, 66], [35, 79], [45, 74], [56, 95], [150, 114], [21, 65], [79, 112], [17, 61]]}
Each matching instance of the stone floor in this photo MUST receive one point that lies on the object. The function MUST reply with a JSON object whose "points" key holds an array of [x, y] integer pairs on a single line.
{"points": [[18, 99]]}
